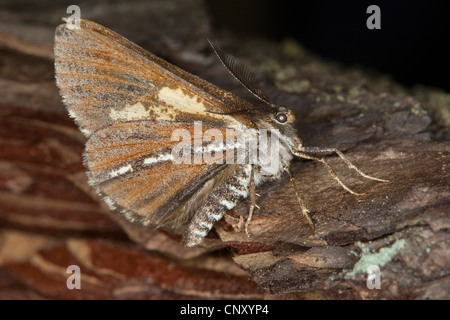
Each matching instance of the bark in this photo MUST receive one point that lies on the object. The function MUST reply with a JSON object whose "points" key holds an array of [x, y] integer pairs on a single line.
{"points": [[51, 219]]}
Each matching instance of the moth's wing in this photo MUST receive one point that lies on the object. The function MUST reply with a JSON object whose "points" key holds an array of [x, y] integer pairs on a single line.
{"points": [[105, 79], [126, 101], [131, 166]]}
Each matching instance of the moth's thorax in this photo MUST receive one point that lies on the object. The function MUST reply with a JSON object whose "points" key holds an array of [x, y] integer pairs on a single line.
{"points": [[273, 159]]}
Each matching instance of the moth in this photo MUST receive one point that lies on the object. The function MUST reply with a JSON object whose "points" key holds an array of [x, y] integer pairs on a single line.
{"points": [[128, 102]]}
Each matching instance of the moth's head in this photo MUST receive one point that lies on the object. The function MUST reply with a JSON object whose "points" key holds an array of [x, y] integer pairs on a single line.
{"points": [[281, 118]]}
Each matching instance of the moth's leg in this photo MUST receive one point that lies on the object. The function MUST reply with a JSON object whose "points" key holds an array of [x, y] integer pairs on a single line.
{"points": [[223, 198], [305, 210], [252, 201], [342, 156], [330, 170]]}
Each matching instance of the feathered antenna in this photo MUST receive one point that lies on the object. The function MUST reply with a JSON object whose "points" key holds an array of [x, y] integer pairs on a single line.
{"points": [[242, 74]]}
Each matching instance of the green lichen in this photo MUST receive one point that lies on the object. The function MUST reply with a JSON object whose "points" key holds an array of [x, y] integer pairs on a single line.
{"points": [[379, 258], [354, 253], [418, 111], [397, 104]]}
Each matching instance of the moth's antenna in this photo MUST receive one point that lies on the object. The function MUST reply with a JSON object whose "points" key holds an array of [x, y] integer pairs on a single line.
{"points": [[242, 74]]}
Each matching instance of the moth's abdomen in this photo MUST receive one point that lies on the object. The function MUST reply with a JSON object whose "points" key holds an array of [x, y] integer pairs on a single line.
{"points": [[223, 198]]}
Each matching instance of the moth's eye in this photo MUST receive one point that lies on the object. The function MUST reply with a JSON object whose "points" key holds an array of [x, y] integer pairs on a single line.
{"points": [[281, 117]]}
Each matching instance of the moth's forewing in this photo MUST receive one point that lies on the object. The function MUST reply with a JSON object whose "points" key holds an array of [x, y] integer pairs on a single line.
{"points": [[105, 79], [128, 102]]}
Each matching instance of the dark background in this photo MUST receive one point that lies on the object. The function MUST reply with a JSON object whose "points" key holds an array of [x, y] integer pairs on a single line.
{"points": [[412, 44]]}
